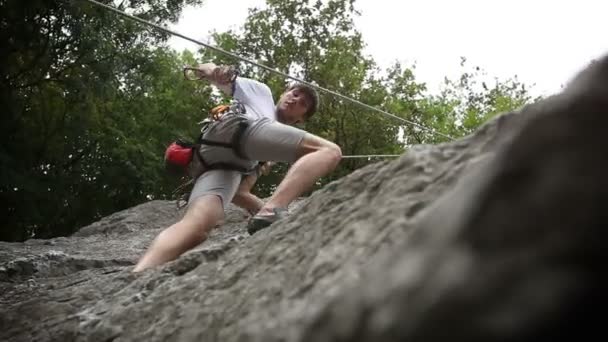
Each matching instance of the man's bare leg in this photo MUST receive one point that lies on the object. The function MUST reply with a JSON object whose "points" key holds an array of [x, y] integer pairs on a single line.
{"points": [[190, 231], [245, 199], [318, 157]]}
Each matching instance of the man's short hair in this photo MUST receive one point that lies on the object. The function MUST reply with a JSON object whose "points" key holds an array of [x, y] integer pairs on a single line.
{"points": [[312, 95]]}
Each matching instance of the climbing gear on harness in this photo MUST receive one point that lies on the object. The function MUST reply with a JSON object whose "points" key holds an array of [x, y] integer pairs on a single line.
{"points": [[217, 111], [178, 156], [216, 115]]}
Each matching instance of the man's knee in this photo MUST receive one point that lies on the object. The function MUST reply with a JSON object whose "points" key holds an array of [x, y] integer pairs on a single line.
{"points": [[204, 211], [312, 143], [334, 153]]}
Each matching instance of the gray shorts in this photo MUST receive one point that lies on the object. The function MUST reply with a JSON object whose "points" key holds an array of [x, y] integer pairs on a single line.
{"points": [[263, 140]]}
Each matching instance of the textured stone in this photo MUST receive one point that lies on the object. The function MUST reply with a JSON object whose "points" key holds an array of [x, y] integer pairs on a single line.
{"points": [[497, 236]]}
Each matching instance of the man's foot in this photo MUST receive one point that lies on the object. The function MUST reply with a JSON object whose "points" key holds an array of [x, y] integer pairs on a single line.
{"points": [[259, 222]]}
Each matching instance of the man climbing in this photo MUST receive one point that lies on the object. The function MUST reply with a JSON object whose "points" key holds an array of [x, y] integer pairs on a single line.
{"points": [[259, 131]]}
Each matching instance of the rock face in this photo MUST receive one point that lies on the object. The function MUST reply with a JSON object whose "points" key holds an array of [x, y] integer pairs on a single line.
{"points": [[498, 236]]}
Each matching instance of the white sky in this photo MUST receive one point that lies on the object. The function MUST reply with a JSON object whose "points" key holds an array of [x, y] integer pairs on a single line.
{"points": [[543, 42]]}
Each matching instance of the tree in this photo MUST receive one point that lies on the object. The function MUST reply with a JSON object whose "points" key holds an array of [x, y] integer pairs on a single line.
{"points": [[466, 103], [65, 66]]}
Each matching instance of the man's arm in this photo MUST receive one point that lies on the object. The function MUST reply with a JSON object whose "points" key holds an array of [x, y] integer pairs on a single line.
{"points": [[244, 198], [221, 76]]}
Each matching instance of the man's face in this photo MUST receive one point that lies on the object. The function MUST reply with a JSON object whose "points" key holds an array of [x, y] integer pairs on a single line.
{"points": [[292, 106]]}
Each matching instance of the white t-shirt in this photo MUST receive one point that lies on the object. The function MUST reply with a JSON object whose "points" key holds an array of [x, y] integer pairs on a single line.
{"points": [[256, 97]]}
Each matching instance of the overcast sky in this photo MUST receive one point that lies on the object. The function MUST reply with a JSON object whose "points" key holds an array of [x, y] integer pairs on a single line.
{"points": [[542, 42]]}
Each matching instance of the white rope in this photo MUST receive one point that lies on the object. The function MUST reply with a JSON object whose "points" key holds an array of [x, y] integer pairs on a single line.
{"points": [[267, 68], [371, 156]]}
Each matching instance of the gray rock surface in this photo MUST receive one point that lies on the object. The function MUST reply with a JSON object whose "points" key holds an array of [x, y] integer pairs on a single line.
{"points": [[497, 236]]}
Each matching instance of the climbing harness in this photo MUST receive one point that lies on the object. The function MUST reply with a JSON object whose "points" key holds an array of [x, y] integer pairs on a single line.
{"points": [[184, 158]]}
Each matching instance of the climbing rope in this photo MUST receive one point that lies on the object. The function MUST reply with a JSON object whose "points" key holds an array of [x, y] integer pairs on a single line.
{"points": [[166, 30], [371, 156]]}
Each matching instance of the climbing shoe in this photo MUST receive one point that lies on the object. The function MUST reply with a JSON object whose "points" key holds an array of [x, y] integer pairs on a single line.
{"points": [[259, 222]]}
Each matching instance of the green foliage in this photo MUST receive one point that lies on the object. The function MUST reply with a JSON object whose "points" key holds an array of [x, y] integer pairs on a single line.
{"points": [[90, 101], [80, 138], [466, 103]]}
